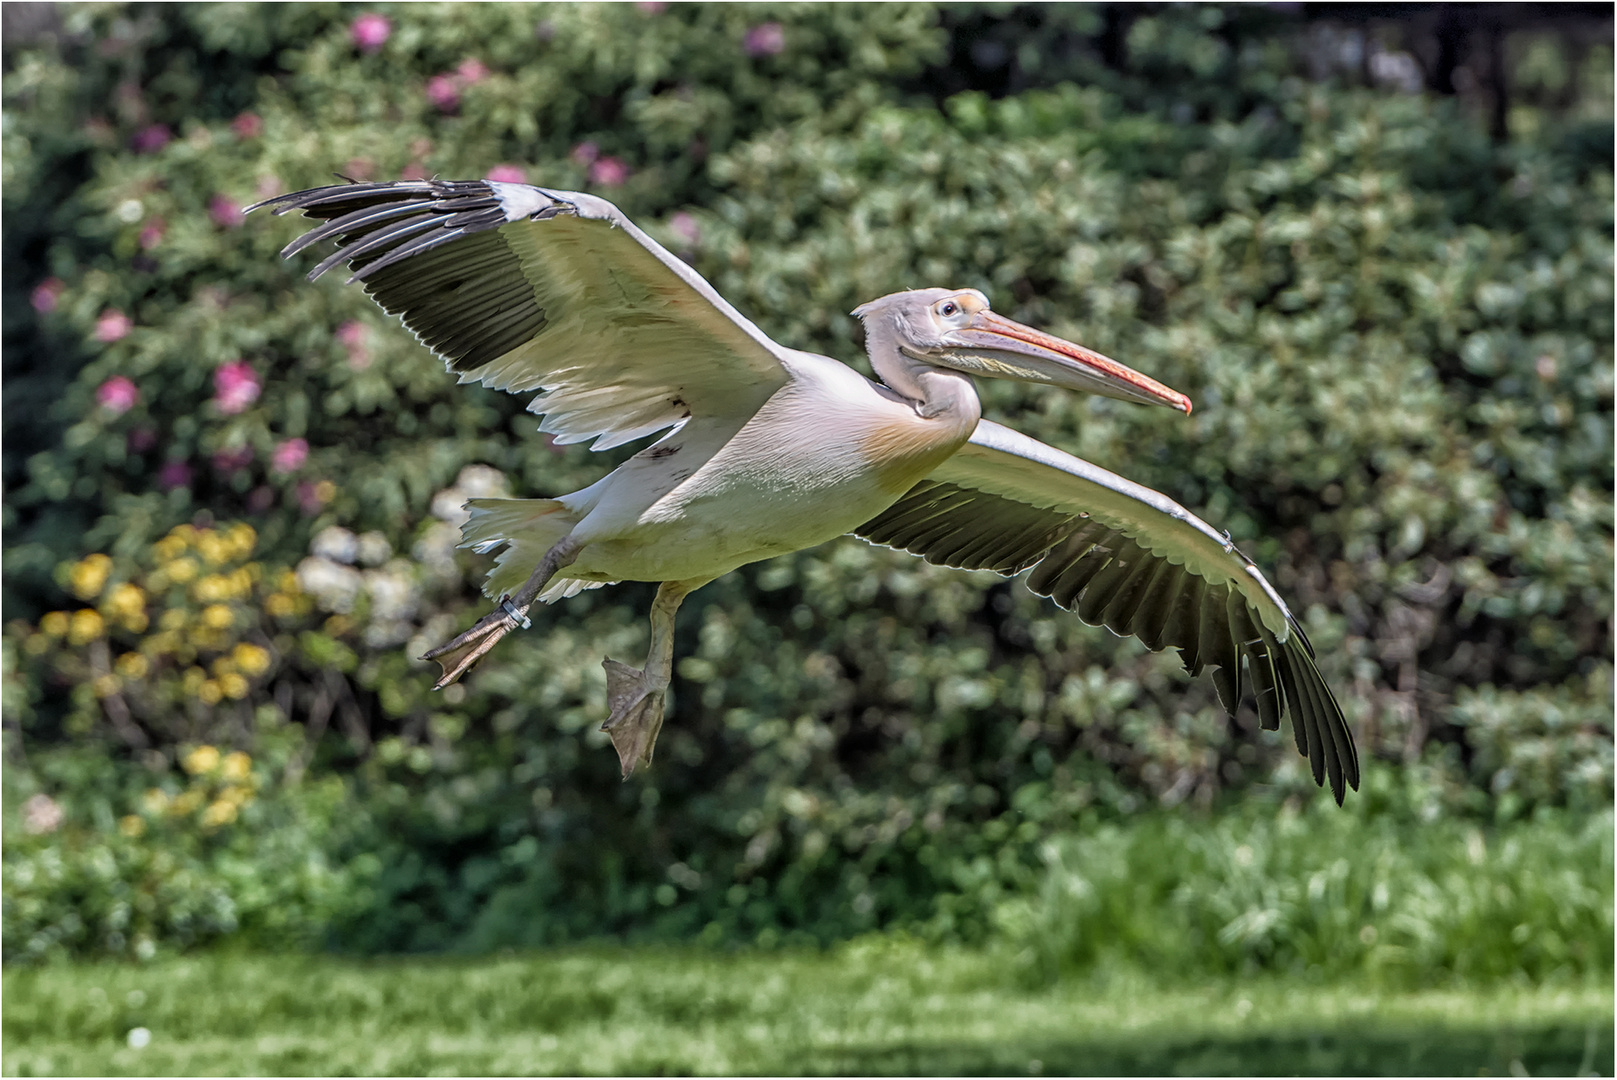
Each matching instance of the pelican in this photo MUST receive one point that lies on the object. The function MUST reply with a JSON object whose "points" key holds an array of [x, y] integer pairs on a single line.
{"points": [[766, 449]]}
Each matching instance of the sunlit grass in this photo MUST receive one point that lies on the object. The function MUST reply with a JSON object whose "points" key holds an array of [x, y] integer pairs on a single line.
{"points": [[877, 1006]]}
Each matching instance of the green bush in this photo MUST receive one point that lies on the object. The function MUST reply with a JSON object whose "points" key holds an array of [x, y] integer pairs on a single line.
{"points": [[1325, 895], [1397, 333]]}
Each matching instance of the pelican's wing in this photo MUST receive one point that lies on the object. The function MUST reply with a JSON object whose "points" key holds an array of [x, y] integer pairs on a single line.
{"points": [[1128, 558], [520, 288]]}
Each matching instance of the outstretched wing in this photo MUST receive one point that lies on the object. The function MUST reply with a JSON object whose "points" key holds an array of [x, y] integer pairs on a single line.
{"points": [[1128, 558], [520, 288]]}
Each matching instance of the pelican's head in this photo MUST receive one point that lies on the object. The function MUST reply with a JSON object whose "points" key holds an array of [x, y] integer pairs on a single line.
{"points": [[953, 328]]}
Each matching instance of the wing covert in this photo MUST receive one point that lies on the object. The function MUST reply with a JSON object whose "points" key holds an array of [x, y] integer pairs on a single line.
{"points": [[522, 288], [1130, 559]]}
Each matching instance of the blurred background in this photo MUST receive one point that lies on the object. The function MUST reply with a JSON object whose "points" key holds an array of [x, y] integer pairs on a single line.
{"points": [[1372, 242]]}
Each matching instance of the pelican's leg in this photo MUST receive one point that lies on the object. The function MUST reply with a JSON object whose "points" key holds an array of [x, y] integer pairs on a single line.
{"points": [[636, 697], [457, 657]]}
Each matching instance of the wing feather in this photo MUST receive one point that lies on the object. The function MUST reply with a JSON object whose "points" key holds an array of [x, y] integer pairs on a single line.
{"points": [[522, 288], [1131, 559]]}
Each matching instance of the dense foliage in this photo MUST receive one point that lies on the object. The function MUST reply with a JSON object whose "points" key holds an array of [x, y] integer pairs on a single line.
{"points": [[231, 496]]}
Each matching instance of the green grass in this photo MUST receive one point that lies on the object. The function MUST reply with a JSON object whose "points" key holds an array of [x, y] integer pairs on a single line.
{"points": [[877, 1006]]}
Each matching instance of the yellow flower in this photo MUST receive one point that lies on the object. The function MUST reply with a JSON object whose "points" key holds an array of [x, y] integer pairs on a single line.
{"points": [[250, 659], [217, 617], [325, 491], [181, 570], [287, 582], [233, 685], [219, 813], [204, 759], [187, 802], [242, 538], [236, 766], [338, 625], [169, 548], [85, 627], [173, 619], [107, 685], [89, 575], [128, 603], [131, 825], [132, 665], [54, 624], [155, 801], [193, 679], [213, 548], [212, 589], [279, 605], [210, 692]]}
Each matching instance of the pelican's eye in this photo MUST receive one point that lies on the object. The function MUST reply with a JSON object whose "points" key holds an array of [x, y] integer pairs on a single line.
{"points": [[949, 309]]}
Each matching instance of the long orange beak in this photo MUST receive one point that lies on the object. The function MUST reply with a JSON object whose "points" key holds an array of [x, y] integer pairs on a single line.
{"points": [[996, 346]]}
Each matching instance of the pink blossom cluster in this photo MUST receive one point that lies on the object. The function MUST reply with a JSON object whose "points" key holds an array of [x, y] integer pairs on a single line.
{"points": [[290, 455], [370, 32], [235, 386], [444, 90], [352, 336], [766, 39], [117, 395], [112, 325], [46, 295], [603, 170], [151, 138], [226, 212], [174, 474], [508, 174], [683, 226], [247, 126]]}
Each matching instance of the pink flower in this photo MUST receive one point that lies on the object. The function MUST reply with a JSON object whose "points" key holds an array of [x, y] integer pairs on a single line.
{"points": [[609, 172], [141, 439], [359, 168], [442, 92], [471, 72], [228, 461], [235, 386], [226, 212], [765, 40], [508, 174], [685, 227], [176, 474], [268, 185], [151, 138], [45, 295], [260, 499], [152, 233], [113, 325], [353, 335], [247, 125], [370, 32], [585, 153], [117, 395], [290, 455], [414, 171]]}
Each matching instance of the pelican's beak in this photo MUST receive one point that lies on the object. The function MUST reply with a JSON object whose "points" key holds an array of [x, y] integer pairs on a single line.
{"points": [[996, 346]]}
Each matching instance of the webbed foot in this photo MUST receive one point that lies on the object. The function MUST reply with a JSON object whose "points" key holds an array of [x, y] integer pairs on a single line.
{"points": [[637, 714], [459, 656]]}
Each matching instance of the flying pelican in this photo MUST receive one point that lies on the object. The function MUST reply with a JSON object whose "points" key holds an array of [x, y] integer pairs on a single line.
{"points": [[768, 450]]}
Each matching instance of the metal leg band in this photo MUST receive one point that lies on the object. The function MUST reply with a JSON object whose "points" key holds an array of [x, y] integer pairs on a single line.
{"points": [[510, 609]]}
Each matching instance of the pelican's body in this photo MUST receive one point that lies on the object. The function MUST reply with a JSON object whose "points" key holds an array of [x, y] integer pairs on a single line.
{"points": [[770, 450], [711, 497]]}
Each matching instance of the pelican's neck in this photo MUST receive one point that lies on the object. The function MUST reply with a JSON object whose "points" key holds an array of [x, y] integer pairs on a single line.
{"points": [[936, 393]]}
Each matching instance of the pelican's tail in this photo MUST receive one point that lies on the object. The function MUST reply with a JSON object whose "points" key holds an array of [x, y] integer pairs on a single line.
{"points": [[527, 528]]}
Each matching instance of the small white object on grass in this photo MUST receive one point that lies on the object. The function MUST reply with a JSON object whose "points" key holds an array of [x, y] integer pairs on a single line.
{"points": [[139, 1037]]}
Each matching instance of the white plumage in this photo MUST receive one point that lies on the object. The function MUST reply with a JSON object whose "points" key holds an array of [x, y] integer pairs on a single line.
{"points": [[768, 450]]}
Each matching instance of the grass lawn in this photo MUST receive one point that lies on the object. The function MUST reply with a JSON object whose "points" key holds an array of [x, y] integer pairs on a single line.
{"points": [[870, 1007]]}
